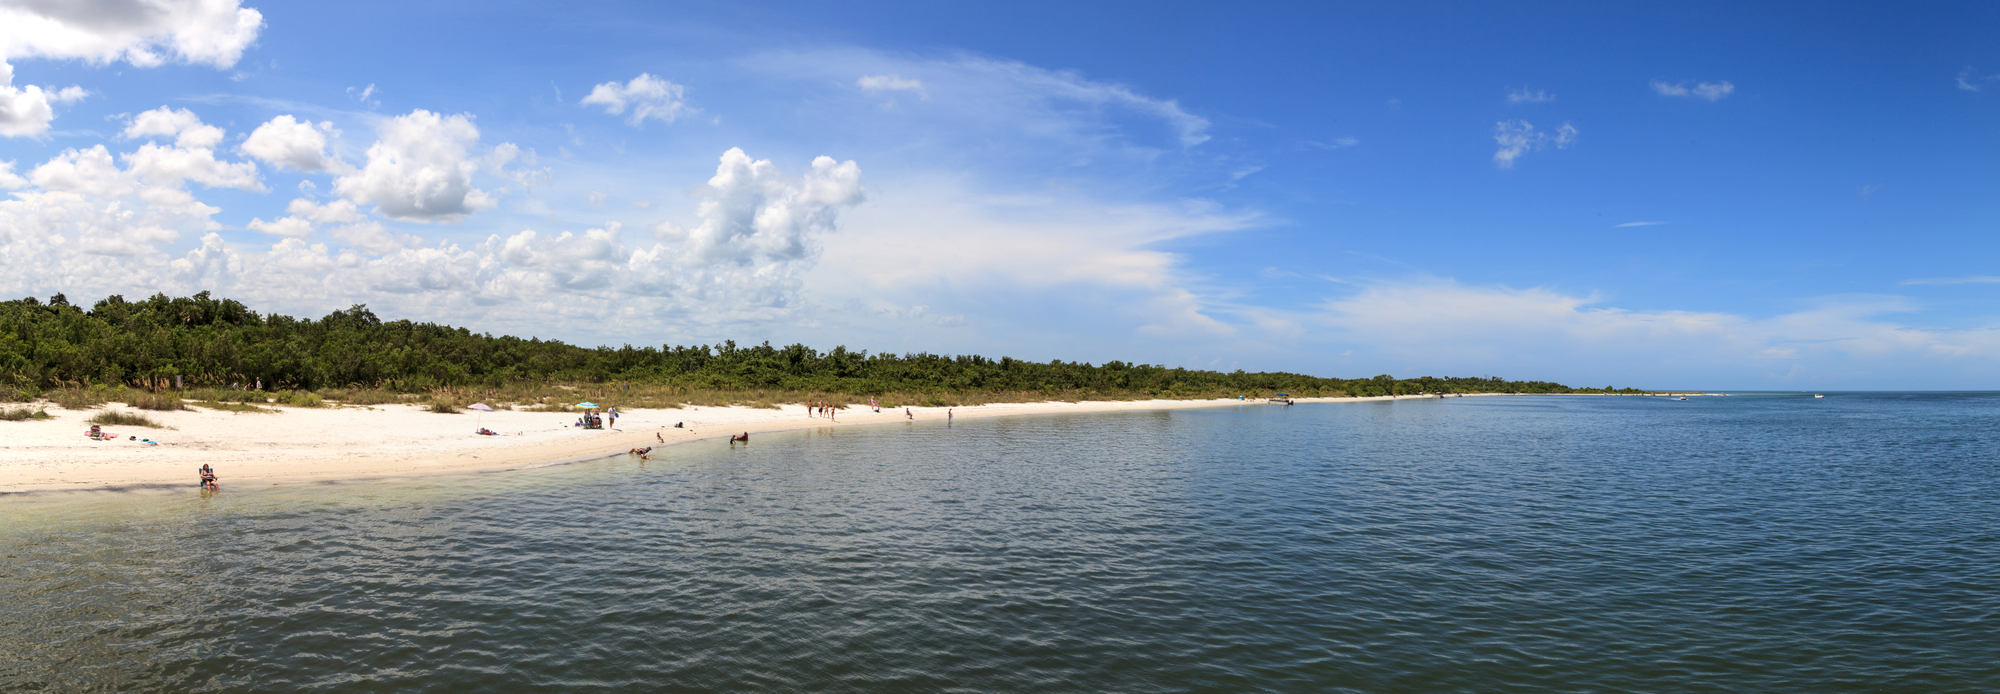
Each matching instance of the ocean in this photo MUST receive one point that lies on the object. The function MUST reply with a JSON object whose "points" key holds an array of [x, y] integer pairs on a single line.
{"points": [[1497, 544]]}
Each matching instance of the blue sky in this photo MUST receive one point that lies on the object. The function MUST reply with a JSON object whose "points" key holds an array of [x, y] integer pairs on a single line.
{"points": [[1780, 196]]}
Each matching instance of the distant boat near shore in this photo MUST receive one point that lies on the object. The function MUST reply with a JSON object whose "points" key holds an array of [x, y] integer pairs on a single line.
{"points": [[1817, 396]]}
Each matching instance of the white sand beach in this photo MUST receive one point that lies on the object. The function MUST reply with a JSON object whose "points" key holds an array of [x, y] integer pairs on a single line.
{"points": [[298, 445]]}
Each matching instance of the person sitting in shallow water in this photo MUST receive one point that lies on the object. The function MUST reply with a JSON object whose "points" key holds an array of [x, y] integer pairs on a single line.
{"points": [[208, 478]]}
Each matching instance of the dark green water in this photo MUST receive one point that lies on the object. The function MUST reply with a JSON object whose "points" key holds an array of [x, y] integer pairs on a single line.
{"points": [[1515, 544]]}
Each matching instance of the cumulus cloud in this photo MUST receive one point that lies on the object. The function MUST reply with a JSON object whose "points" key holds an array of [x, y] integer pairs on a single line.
{"points": [[1524, 96], [145, 33], [287, 142], [420, 169], [81, 201], [192, 156], [757, 233], [646, 96], [1711, 91], [1519, 137], [27, 111]]}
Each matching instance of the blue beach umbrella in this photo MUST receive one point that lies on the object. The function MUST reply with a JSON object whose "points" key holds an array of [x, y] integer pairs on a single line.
{"points": [[588, 405]]}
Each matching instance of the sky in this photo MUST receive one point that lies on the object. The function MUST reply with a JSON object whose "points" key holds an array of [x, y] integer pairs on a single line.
{"points": [[1750, 196]]}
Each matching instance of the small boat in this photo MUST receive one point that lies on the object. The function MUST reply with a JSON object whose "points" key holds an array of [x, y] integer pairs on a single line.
{"points": [[1817, 396], [1281, 397], [1684, 397]]}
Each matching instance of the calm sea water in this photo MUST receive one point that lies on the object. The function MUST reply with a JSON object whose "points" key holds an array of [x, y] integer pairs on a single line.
{"points": [[1512, 544]]}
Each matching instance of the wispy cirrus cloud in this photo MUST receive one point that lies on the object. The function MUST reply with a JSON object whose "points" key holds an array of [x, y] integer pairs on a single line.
{"points": [[1710, 91], [1970, 80], [1973, 279], [1638, 224]]}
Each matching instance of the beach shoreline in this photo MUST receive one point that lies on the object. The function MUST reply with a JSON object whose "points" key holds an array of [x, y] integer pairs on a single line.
{"points": [[351, 444]]}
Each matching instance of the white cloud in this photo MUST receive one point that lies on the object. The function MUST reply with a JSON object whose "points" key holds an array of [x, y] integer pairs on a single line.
{"points": [[27, 111], [936, 240], [1520, 137], [647, 96], [1440, 326], [970, 93], [81, 201], [286, 142], [192, 158], [1970, 80], [1524, 96], [740, 267], [10, 180], [753, 213], [1638, 224], [145, 33], [893, 83], [1712, 91], [420, 169], [1974, 279]]}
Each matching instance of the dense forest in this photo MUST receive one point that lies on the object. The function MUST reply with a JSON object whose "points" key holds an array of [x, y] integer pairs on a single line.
{"points": [[206, 342]]}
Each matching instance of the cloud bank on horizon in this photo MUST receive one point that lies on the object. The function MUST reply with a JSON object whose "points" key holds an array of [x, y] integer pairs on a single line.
{"points": [[999, 197]]}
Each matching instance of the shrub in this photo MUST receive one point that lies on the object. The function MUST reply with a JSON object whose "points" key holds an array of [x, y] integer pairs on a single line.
{"points": [[299, 398], [76, 398], [154, 401], [360, 396], [11, 394], [116, 418], [441, 407], [17, 414]]}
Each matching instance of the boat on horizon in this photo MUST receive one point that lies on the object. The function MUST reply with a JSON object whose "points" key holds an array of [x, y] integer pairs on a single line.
{"points": [[1817, 396]]}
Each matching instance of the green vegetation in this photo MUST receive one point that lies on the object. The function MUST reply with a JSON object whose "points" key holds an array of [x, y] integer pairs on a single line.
{"points": [[116, 418], [18, 414], [216, 349]]}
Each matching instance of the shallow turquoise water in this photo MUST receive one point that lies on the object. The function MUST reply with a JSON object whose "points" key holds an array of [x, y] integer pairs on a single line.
{"points": [[1775, 544]]}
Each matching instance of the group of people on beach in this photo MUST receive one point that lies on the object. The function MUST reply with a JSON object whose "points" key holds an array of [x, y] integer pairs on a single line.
{"points": [[821, 408], [592, 420]]}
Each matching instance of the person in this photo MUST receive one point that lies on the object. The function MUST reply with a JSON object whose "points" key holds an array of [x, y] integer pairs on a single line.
{"points": [[658, 437], [907, 414], [208, 478], [947, 418]]}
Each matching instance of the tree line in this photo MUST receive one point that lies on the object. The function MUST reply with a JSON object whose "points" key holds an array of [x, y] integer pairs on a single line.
{"points": [[203, 341]]}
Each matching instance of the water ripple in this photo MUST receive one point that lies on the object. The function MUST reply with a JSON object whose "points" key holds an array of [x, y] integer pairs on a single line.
{"points": [[1488, 545]]}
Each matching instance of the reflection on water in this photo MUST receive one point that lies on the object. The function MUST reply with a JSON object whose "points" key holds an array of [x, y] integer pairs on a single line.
{"points": [[1494, 544]]}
